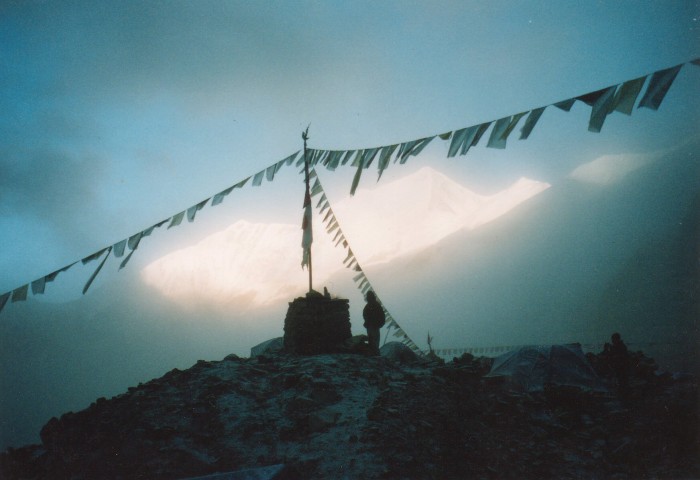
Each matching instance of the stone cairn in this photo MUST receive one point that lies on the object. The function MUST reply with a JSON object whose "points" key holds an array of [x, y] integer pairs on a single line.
{"points": [[316, 324]]}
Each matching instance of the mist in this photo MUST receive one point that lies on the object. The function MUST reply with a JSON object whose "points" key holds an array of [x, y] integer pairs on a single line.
{"points": [[571, 264], [119, 116]]}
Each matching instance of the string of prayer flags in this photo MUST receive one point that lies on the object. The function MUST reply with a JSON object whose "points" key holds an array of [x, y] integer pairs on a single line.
{"points": [[118, 249], [94, 256], [38, 287], [97, 270], [464, 139], [620, 98], [52, 276], [412, 148], [133, 244], [150, 229], [360, 279]]}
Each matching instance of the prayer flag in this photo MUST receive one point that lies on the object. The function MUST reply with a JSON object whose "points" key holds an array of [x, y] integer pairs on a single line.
{"points": [[412, 148], [307, 235], [92, 257], [316, 188], [290, 159], [566, 104], [258, 178], [3, 300], [20, 294], [347, 157], [590, 98], [176, 220], [601, 108], [192, 211], [119, 248], [241, 183], [462, 140], [530, 122], [52, 276], [219, 197], [502, 129], [658, 87], [627, 95], [134, 241], [356, 178], [511, 126], [384, 158], [39, 285], [97, 270], [334, 159]]}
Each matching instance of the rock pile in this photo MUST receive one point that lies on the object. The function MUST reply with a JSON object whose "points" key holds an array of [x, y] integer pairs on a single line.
{"points": [[350, 416], [316, 324]]}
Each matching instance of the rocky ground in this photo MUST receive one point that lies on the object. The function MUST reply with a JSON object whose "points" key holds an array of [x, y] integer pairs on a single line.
{"points": [[352, 416]]}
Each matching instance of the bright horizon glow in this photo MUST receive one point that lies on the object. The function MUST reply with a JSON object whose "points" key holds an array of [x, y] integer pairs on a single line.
{"points": [[254, 264]]}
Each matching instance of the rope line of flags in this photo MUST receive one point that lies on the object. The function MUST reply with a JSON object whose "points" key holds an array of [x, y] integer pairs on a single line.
{"points": [[132, 242], [620, 97], [360, 279]]}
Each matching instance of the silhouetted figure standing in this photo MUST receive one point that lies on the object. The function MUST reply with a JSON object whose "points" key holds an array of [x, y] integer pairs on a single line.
{"points": [[619, 360], [373, 313]]}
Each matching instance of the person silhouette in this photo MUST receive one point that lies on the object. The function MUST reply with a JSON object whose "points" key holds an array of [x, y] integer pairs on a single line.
{"points": [[619, 361], [374, 317]]}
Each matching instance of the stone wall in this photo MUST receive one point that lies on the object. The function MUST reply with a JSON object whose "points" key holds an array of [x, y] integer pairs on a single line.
{"points": [[316, 324]]}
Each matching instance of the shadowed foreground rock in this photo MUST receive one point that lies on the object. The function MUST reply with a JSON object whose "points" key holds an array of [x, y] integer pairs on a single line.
{"points": [[350, 416]]}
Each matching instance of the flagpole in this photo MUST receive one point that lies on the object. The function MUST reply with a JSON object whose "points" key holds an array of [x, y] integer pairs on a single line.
{"points": [[305, 136]]}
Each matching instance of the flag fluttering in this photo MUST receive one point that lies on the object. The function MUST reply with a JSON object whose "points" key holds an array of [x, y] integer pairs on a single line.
{"points": [[307, 235]]}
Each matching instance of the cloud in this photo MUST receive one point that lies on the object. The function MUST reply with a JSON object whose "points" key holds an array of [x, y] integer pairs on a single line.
{"points": [[49, 185], [611, 169]]}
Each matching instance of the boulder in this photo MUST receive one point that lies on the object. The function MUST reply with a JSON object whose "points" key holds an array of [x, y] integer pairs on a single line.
{"points": [[398, 352]]}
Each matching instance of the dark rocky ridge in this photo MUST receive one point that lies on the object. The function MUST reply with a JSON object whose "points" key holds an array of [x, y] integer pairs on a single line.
{"points": [[351, 416]]}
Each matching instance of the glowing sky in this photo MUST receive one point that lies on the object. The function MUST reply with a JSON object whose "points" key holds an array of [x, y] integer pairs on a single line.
{"points": [[249, 265]]}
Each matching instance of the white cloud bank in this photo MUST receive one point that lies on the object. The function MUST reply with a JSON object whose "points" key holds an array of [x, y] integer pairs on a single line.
{"points": [[610, 169]]}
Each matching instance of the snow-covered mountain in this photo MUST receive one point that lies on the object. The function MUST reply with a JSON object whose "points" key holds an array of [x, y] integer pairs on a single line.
{"points": [[255, 264], [417, 211]]}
